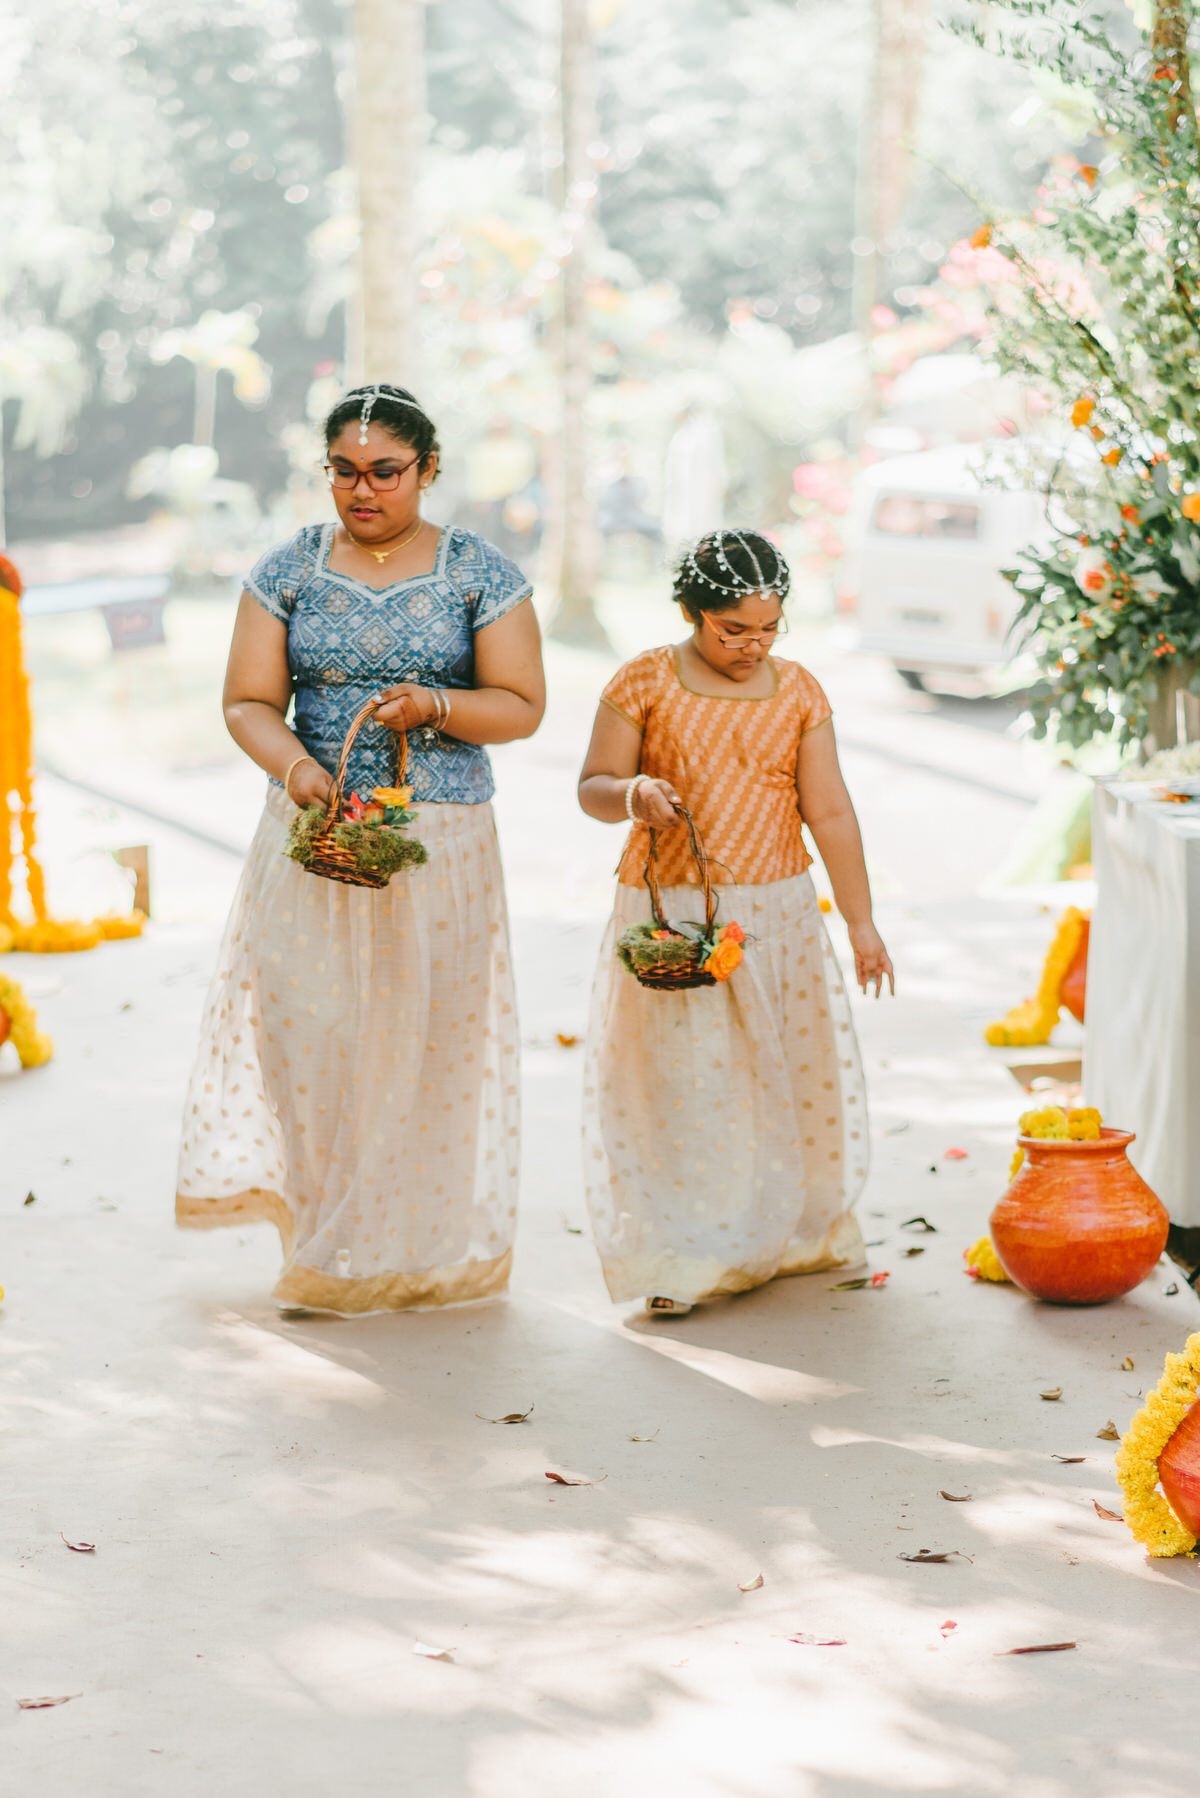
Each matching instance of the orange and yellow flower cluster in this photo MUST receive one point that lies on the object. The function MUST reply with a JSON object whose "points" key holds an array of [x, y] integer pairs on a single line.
{"points": [[1032, 1021], [727, 952]]}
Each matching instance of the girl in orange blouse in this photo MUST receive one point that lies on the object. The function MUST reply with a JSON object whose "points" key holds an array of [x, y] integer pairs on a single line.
{"points": [[725, 1126]]}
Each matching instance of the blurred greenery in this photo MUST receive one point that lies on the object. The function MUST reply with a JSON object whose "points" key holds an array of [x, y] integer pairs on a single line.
{"points": [[174, 159]]}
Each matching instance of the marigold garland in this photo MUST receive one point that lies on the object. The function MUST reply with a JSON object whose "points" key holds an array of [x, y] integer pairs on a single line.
{"points": [[18, 824], [1031, 1022], [983, 1263], [1149, 1516], [32, 1045]]}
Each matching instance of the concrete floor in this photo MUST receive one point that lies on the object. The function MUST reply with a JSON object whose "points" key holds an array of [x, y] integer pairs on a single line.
{"points": [[283, 1509]]}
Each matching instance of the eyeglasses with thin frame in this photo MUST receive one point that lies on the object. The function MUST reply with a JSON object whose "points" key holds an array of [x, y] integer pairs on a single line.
{"points": [[766, 637], [379, 480]]}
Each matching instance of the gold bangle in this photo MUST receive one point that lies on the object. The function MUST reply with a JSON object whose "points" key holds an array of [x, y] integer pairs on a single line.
{"points": [[287, 779]]}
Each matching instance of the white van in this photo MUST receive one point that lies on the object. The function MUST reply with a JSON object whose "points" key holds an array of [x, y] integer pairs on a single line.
{"points": [[920, 581]]}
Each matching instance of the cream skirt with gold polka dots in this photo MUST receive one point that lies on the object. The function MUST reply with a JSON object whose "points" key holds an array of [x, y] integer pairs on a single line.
{"points": [[356, 1083], [725, 1128]]}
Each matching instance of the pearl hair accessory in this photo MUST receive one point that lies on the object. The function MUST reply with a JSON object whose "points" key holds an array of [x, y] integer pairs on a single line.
{"points": [[735, 583], [370, 395]]}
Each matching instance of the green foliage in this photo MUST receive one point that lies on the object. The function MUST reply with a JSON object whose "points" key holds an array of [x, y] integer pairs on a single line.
{"points": [[1096, 302], [642, 952]]}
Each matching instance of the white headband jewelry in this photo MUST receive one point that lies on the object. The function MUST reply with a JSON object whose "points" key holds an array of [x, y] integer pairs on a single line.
{"points": [[369, 397], [738, 583]]}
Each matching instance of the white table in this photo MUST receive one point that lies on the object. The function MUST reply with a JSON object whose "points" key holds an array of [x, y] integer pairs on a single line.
{"points": [[1142, 1052]]}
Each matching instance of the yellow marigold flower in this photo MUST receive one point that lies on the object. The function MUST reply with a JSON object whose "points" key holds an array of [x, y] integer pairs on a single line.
{"points": [[1014, 1166], [1084, 1125], [398, 796], [985, 1262], [1032, 1021], [116, 926], [1082, 411], [33, 1047], [1048, 1123], [1147, 1512]]}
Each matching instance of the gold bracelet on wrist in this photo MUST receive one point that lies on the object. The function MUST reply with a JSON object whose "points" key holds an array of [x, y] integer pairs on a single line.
{"points": [[287, 779]]}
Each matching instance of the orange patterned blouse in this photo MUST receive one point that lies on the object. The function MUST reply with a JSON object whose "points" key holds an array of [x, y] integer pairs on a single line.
{"points": [[733, 761]]}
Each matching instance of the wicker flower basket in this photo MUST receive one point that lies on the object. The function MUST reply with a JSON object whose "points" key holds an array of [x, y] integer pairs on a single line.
{"points": [[670, 956], [328, 841]]}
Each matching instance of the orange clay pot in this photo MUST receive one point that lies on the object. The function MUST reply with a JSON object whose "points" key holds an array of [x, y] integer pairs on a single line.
{"points": [[1078, 1225], [1179, 1471], [1073, 991]]}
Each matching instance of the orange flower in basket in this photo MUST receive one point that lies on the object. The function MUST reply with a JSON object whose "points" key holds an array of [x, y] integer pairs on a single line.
{"points": [[732, 933], [397, 796], [724, 959]]}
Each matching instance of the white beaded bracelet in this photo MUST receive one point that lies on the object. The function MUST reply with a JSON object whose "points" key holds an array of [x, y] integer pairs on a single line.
{"points": [[631, 788]]}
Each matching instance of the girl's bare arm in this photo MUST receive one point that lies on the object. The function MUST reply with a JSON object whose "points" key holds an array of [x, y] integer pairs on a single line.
{"points": [[826, 808], [611, 763]]}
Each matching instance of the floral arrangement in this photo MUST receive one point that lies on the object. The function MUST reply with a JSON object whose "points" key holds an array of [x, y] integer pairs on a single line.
{"points": [[1051, 1123], [1032, 1021], [647, 949], [1095, 302], [18, 1024], [372, 831], [1147, 1512]]}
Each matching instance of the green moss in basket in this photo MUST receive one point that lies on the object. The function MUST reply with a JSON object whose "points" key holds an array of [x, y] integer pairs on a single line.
{"points": [[306, 827], [644, 950], [378, 850]]}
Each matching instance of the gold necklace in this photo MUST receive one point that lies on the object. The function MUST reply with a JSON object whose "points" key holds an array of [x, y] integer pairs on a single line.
{"points": [[381, 555]]}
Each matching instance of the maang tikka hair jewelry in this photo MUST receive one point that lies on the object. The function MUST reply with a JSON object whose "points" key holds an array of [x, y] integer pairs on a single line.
{"points": [[370, 395], [738, 583], [364, 417]]}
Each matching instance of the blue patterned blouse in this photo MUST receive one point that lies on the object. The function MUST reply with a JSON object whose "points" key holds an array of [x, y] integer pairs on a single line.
{"points": [[346, 640]]}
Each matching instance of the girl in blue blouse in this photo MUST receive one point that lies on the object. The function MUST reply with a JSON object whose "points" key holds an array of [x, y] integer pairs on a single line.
{"points": [[357, 1077]]}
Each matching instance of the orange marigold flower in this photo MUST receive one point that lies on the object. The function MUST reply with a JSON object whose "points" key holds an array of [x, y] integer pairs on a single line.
{"points": [[1082, 410], [1190, 506], [724, 959], [1111, 457], [1094, 581], [1097, 433], [1130, 513], [982, 238], [1088, 173]]}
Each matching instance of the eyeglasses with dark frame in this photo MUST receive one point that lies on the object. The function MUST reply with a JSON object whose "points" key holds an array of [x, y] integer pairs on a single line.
{"points": [[766, 636], [379, 480]]}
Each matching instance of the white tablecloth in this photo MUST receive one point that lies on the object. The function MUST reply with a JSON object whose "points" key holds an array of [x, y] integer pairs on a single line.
{"points": [[1142, 1055]]}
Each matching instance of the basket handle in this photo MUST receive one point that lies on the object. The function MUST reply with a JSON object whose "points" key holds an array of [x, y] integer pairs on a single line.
{"points": [[699, 856], [360, 717]]}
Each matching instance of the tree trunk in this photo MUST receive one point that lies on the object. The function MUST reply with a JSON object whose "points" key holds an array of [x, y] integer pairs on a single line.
{"points": [[891, 100], [387, 136], [1169, 47], [572, 527]]}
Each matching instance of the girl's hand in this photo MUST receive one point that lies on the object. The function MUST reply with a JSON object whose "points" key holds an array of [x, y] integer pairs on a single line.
{"points": [[871, 959], [655, 803], [310, 784], [406, 707]]}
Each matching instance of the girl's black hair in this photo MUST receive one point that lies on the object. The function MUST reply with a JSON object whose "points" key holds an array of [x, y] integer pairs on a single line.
{"points": [[394, 408], [718, 572]]}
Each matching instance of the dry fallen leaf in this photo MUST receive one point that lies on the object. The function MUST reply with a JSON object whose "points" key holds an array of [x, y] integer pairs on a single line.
{"points": [[1068, 1460], [44, 1704], [1108, 1516], [1110, 1433], [80, 1548], [653, 1438], [751, 1585], [916, 1249], [956, 1498], [1041, 1648], [1127, 1364], [927, 1555], [432, 1654], [509, 1416], [807, 1641], [30, 1198], [1051, 1392], [565, 1041], [1169, 1292], [919, 1223], [560, 1479]]}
